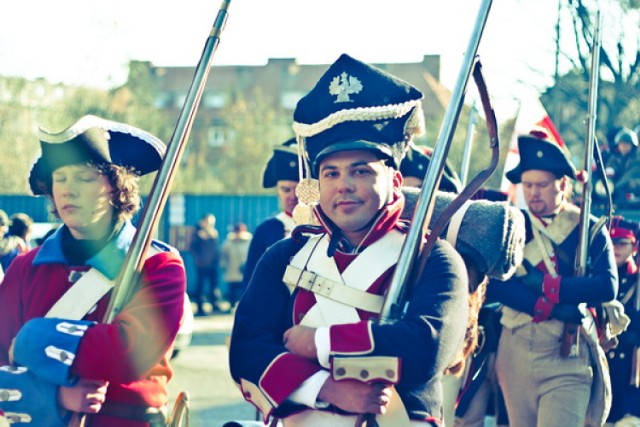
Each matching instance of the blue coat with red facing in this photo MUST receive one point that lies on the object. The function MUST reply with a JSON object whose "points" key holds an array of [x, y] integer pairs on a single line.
{"points": [[625, 397], [424, 341]]}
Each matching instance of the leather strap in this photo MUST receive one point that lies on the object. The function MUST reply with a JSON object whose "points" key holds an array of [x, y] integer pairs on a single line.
{"points": [[85, 293], [333, 290]]}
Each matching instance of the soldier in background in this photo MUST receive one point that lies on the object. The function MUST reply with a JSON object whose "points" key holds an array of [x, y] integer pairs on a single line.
{"points": [[541, 386], [625, 405], [414, 168], [282, 173]]}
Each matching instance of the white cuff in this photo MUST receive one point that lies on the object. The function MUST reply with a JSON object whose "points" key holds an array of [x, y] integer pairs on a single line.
{"points": [[307, 393], [323, 346]]}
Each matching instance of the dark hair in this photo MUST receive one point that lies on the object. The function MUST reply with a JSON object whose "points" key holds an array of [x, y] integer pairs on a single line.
{"points": [[20, 224], [125, 196]]}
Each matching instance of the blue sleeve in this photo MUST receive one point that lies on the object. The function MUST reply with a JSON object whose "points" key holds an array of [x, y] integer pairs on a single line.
{"points": [[601, 282], [513, 294], [432, 331], [266, 234], [28, 400]]}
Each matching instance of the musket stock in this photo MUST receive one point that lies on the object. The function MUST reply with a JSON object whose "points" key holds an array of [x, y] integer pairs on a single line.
{"points": [[127, 280], [570, 339]]}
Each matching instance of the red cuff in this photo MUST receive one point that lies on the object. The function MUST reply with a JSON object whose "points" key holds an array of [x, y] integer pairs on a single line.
{"points": [[551, 288], [351, 338], [542, 309]]}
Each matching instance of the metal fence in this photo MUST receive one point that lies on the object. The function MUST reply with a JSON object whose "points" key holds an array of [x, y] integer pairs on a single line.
{"points": [[178, 218]]}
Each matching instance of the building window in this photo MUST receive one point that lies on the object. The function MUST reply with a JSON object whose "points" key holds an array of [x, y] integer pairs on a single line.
{"points": [[216, 136], [214, 100], [163, 100]]}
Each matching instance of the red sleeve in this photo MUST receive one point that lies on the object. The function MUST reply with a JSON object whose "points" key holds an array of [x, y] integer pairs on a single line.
{"points": [[143, 332]]}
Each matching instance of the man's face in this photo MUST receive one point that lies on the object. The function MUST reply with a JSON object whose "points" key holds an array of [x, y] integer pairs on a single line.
{"points": [[354, 186], [287, 194], [543, 192], [624, 147], [623, 251]]}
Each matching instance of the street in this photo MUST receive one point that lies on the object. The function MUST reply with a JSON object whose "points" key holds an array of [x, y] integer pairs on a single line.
{"points": [[202, 370]]}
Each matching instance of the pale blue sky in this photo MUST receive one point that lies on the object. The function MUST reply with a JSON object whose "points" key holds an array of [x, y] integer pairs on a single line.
{"points": [[90, 42]]}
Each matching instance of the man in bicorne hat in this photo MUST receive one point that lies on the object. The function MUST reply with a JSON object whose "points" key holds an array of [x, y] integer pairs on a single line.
{"points": [[625, 395], [305, 346], [281, 173], [541, 386]]}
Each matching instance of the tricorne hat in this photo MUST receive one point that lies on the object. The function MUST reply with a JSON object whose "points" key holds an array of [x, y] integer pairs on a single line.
{"points": [[415, 164], [623, 230], [96, 140], [356, 106], [283, 164], [540, 154]]}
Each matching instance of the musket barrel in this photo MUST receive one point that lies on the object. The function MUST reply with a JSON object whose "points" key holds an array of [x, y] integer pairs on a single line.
{"points": [[424, 207], [147, 226], [590, 141]]}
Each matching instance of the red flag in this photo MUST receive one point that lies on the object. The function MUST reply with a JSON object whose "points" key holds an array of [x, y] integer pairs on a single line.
{"points": [[531, 118]]}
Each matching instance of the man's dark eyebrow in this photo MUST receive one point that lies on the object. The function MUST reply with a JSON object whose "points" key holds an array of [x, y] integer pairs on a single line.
{"points": [[351, 165]]}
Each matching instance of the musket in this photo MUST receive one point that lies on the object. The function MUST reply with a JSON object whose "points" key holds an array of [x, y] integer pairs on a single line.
{"points": [[570, 338], [413, 254], [127, 280], [395, 299]]}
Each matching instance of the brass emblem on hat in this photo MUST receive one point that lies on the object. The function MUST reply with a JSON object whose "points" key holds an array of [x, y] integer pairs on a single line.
{"points": [[343, 86], [540, 154]]}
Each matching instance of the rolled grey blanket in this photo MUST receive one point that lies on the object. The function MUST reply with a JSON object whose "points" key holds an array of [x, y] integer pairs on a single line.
{"points": [[492, 234]]}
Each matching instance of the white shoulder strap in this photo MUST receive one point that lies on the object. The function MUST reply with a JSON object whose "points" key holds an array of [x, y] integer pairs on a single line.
{"points": [[85, 293]]}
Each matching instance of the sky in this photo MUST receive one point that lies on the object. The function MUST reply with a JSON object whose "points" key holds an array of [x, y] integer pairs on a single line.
{"points": [[90, 42]]}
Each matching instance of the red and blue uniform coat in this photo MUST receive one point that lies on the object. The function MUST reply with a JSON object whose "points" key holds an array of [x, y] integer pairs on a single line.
{"points": [[133, 351], [425, 340], [625, 397]]}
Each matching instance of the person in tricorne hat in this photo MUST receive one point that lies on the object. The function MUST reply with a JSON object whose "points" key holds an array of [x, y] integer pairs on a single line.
{"points": [[625, 396], [567, 387], [54, 298], [414, 168], [282, 173], [305, 345]]}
